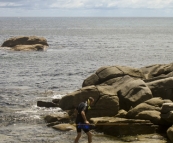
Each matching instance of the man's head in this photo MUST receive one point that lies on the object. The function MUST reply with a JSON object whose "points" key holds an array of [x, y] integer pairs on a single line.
{"points": [[90, 101]]}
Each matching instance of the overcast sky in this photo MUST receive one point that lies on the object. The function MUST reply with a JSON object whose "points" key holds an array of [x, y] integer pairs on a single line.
{"points": [[91, 8]]}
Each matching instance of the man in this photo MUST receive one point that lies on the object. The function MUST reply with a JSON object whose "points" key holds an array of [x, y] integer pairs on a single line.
{"points": [[81, 119]]}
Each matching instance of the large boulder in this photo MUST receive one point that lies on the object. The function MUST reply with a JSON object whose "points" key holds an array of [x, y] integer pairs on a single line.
{"points": [[148, 110], [170, 133], [106, 73], [71, 100], [133, 93], [106, 101], [167, 112], [26, 43], [107, 105], [115, 84], [157, 70], [120, 126], [162, 88]]}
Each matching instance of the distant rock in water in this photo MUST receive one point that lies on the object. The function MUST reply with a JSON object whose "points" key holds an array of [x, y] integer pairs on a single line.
{"points": [[26, 43]]}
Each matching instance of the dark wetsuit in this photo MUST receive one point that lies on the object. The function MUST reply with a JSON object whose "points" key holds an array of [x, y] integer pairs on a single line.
{"points": [[79, 119]]}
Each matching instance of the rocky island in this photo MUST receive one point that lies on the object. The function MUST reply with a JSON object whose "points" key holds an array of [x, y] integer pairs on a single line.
{"points": [[26, 43]]}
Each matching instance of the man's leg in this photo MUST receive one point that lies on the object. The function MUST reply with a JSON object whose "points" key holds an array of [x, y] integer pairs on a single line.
{"points": [[89, 137], [77, 137]]}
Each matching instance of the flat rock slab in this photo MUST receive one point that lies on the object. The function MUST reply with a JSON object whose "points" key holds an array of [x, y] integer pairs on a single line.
{"points": [[121, 126]]}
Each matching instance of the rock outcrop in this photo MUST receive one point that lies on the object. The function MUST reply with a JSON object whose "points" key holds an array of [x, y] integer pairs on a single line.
{"points": [[46, 104], [26, 43], [127, 99], [149, 110], [157, 71], [105, 73]]}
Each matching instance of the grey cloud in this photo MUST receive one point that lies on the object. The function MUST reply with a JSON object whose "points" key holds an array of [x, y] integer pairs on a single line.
{"points": [[10, 1], [32, 4], [87, 4]]}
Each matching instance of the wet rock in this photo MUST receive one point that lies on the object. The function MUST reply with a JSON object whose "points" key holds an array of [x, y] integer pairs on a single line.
{"points": [[120, 126], [64, 127], [46, 104], [56, 101]]}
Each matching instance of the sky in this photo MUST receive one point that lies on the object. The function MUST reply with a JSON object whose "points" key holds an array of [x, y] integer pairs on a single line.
{"points": [[86, 8]]}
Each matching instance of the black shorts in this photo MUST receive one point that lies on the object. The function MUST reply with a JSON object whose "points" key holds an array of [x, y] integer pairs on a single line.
{"points": [[80, 129]]}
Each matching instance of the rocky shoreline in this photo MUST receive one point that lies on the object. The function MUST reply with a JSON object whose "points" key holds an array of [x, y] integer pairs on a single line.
{"points": [[128, 101]]}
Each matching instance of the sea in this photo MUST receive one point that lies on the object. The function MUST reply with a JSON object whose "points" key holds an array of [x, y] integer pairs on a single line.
{"points": [[78, 46]]}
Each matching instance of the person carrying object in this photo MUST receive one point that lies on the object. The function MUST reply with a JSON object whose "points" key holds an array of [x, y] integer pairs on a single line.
{"points": [[81, 120]]}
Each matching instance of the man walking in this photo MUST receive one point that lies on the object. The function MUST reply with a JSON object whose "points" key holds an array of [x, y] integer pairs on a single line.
{"points": [[81, 119]]}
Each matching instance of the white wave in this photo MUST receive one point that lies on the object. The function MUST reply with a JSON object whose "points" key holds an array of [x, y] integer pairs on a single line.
{"points": [[35, 116], [26, 111], [57, 96]]}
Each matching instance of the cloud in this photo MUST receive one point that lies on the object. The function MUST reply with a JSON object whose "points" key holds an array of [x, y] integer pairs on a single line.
{"points": [[10, 4], [112, 4], [73, 4], [86, 8]]}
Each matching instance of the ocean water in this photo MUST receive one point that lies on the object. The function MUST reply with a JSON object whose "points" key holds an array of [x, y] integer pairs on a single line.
{"points": [[77, 48]]}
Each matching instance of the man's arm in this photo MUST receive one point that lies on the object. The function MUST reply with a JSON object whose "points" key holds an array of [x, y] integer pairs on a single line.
{"points": [[84, 117]]}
